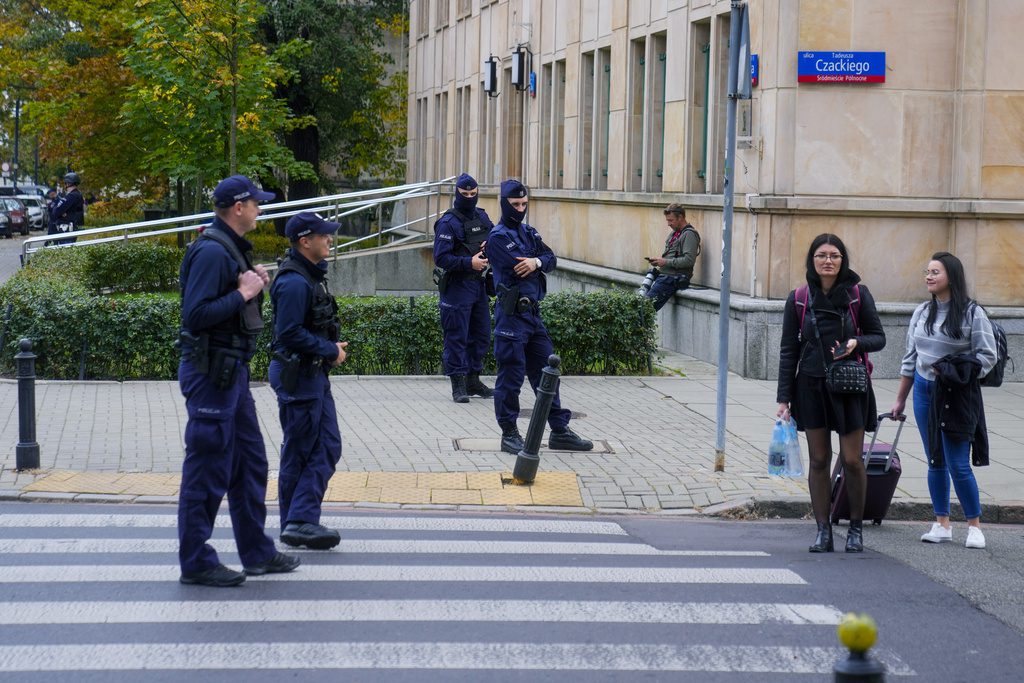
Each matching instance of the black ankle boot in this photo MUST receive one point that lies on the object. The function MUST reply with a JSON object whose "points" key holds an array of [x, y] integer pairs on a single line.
{"points": [[823, 542], [474, 387], [459, 394], [855, 537]]}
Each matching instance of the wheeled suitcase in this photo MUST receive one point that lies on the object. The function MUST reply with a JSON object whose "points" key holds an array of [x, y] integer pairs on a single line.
{"points": [[884, 469]]}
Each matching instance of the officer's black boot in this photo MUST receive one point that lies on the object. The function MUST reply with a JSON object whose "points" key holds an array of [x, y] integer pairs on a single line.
{"points": [[855, 536], [474, 387], [511, 440], [568, 440], [459, 393]]}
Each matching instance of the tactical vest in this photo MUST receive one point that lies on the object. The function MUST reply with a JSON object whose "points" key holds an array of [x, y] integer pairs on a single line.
{"points": [[475, 231], [322, 315], [249, 321]]}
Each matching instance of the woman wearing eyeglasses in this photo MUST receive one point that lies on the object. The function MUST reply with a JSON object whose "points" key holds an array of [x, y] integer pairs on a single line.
{"points": [[831, 318], [950, 347]]}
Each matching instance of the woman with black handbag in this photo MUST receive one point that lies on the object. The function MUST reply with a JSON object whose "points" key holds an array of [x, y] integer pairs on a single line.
{"points": [[829, 326]]}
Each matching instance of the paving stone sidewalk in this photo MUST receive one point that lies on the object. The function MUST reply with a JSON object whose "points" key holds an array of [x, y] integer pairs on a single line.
{"points": [[661, 431]]}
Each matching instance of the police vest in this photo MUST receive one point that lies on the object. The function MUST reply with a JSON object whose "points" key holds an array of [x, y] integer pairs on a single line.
{"points": [[322, 315], [249, 321], [475, 231]]}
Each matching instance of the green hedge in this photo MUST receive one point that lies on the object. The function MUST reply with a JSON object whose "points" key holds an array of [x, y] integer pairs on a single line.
{"points": [[56, 303], [130, 266]]}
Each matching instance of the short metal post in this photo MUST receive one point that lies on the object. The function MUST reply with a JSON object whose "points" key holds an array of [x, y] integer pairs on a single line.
{"points": [[27, 451], [528, 459]]}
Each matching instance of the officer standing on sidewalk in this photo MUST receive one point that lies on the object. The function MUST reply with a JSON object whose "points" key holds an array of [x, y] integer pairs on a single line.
{"points": [[460, 265], [521, 343], [67, 212], [305, 348], [221, 299]]}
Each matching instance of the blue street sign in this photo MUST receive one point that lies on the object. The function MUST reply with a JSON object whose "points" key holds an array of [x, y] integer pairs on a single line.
{"points": [[841, 67]]}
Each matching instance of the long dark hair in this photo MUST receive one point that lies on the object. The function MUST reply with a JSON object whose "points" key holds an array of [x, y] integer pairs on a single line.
{"points": [[844, 265], [959, 301]]}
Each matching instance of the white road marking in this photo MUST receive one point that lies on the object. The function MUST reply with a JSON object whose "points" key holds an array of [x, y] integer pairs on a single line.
{"points": [[377, 573], [438, 546], [25, 613], [167, 521], [477, 656]]}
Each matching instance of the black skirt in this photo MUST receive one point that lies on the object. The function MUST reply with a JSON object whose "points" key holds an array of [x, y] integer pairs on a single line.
{"points": [[813, 407]]}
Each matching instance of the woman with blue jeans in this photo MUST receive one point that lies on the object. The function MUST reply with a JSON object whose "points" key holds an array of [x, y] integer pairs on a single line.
{"points": [[950, 326]]}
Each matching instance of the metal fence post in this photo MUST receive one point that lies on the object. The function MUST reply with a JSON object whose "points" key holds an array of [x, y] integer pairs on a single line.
{"points": [[27, 451], [528, 459]]}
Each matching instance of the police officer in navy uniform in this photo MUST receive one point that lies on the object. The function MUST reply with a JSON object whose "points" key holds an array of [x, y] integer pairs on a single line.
{"points": [[305, 348], [221, 299], [67, 212], [519, 259], [459, 237]]}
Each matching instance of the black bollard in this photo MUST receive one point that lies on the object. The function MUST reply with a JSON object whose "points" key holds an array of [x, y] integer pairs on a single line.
{"points": [[27, 451], [528, 459]]}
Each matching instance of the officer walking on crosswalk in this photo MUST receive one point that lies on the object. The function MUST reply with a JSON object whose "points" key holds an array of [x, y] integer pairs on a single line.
{"points": [[305, 348], [221, 299], [520, 260]]}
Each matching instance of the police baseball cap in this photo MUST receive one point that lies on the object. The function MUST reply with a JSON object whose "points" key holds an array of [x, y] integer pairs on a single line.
{"points": [[512, 189], [309, 223], [238, 188]]}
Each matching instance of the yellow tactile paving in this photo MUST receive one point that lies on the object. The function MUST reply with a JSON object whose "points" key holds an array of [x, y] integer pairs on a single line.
{"points": [[440, 488]]}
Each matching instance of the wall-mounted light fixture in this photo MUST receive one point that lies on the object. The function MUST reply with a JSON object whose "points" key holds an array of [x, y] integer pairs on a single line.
{"points": [[521, 64], [490, 76]]}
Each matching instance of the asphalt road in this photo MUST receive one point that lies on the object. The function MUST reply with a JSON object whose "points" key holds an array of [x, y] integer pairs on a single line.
{"points": [[90, 593]]}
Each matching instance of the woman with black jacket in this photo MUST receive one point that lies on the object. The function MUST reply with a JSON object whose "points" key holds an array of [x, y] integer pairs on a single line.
{"points": [[833, 318]]}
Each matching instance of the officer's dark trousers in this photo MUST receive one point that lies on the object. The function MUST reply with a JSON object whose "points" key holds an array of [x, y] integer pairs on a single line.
{"points": [[224, 453], [522, 347], [466, 323], [311, 447]]}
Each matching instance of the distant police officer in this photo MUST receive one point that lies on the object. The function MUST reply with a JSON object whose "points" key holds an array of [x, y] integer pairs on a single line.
{"points": [[305, 349], [67, 212], [459, 237], [519, 259], [682, 247], [221, 296]]}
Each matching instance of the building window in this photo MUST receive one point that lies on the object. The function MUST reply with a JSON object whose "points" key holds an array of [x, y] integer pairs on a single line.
{"points": [[421, 140], [546, 121], [442, 14], [700, 114], [462, 106], [636, 106], [422, 18], [464, 9], [441, 126], [657, 65], [515, 111], [603, 105], [586, 142], [552, 139], [488, 119]]}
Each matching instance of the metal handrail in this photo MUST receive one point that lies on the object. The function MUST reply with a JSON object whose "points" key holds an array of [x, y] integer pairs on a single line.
{"points": [[334, 206]]}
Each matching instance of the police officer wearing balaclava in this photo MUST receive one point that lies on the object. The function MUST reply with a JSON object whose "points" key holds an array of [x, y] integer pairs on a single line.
{"points": [[305, 348], [459, 237], [519, 259], [221, 299]]}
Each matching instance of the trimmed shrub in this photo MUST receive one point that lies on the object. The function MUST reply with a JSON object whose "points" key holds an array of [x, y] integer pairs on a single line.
{"points": [[133, 266]]}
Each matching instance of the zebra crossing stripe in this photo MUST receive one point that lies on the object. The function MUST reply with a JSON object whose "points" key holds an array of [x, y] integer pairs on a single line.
{"points": [[391, 523], [227, 546], [38, 613], [404, 655], [377, 573]]}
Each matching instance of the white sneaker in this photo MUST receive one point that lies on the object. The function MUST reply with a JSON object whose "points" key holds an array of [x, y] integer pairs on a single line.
{"points": [[940, 534], [975, 539]]}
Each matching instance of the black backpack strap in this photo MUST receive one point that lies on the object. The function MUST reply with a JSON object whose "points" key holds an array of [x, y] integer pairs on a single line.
{"points": [[224, 240]]}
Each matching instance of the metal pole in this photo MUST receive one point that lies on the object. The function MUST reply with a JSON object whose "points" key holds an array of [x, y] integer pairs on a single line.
{"points": [[735, 25], [17, 139], [528, 459], [27, 451]]}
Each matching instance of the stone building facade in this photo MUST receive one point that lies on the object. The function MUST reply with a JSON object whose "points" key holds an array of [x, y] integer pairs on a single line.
{"points": [[626, 113]]}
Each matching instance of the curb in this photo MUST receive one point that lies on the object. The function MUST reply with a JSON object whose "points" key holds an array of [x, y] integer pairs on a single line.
{"points": [[900, 510]]}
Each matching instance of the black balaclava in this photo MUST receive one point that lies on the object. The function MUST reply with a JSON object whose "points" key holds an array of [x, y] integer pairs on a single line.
{"points": [[465, 205], [511, 189]]}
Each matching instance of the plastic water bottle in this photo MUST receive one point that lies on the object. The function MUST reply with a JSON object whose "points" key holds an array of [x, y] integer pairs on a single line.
{"points": [[777, 450], [794, 460]]}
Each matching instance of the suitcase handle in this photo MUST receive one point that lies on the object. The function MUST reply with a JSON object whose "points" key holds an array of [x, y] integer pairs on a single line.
{"points": [[902, 419]]}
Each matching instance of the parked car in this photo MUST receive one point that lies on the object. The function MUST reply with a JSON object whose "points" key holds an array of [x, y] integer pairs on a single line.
{"points": [[17, 216], [38, 216]]}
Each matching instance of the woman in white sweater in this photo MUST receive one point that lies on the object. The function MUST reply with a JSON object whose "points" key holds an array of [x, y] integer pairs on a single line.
{"points": [[951, 325]]}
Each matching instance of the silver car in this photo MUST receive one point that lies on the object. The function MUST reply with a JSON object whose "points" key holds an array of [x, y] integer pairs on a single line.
{"points": [[38, 216]]}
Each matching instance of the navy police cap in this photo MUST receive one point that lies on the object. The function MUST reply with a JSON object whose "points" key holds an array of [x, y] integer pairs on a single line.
{"points": [[308, 223]]}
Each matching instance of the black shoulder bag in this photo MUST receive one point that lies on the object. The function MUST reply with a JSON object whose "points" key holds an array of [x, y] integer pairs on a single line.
{"points": [[845, 376]]}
